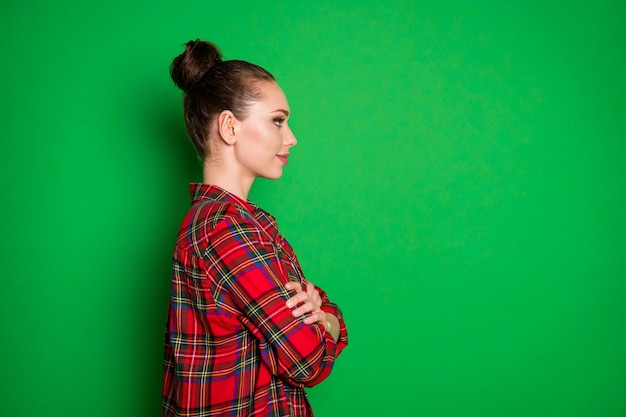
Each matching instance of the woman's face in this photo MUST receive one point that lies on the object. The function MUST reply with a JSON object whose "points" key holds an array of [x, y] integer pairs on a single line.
{"points": [[264, 137]]}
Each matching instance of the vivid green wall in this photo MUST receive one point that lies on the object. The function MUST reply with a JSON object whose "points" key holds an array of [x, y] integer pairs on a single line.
{"points": [[458, 188]]}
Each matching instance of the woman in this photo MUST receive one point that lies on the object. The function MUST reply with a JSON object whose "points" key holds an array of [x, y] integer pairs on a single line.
{"points": [[246, 332]]}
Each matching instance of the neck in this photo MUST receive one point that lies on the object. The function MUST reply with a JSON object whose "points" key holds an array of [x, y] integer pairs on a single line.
{"points": [[229, 179]]}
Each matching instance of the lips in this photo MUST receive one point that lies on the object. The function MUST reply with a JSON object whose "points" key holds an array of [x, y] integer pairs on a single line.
{"points": [[283, 158]]}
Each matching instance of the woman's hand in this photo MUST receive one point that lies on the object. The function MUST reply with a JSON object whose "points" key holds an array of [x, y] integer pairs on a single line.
{"points": [[308, 301]]}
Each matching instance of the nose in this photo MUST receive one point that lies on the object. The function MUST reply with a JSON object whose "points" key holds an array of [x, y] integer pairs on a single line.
{"points": [[291, 140]]}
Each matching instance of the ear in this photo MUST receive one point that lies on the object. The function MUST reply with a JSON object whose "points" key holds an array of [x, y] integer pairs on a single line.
{"points": [[227, 124]]}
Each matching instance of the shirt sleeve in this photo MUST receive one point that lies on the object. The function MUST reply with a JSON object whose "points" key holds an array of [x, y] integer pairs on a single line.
{"points": [[332, 308], [250, 271]]}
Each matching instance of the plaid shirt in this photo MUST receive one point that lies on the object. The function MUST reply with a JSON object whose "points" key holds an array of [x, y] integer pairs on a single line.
{"points": [[232, 347]]}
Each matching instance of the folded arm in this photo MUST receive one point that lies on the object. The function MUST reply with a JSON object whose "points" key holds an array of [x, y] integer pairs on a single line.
{"points": [[250, 272]]}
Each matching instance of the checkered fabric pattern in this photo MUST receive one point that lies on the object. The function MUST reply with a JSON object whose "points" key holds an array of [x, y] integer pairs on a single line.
{"points": [[232, 347]]}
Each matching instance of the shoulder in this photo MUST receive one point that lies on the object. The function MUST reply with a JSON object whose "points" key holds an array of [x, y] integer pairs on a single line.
{"points": [[212, 220]]}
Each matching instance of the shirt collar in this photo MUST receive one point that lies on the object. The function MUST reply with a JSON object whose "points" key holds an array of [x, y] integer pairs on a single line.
{"points": [[201, 192]]}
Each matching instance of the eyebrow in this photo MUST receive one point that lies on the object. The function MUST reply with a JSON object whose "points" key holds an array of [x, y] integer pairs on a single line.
{"points": [[286, 112]]}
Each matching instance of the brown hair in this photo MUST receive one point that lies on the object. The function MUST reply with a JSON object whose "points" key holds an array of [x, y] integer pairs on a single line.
{"points": [[211, 86]]}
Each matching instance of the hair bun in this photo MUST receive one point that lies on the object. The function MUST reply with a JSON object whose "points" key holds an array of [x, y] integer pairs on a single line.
{"points": [[188, 68]]}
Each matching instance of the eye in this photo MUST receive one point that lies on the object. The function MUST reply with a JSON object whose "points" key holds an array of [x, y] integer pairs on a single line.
{"points": [[279, 121]]}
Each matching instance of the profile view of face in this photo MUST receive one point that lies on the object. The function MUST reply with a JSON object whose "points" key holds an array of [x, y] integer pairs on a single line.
{"points": [[264, 138]]}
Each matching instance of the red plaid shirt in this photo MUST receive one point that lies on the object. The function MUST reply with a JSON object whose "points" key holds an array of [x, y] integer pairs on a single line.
{"points": [[232, 347]]}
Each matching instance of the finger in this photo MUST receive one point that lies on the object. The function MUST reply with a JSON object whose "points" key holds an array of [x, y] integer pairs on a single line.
{"points": [[313, 318], [293, 286], [311, 288], [299, 298], [307, 307], [317, 299], [319, 316], [314, 294], [312, 291]]}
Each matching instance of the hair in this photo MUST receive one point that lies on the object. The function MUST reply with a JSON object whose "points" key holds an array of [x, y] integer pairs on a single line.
{"points": [[211, 86]]}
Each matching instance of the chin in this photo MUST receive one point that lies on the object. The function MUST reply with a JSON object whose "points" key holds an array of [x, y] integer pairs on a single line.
{"points": [[273, 175]]}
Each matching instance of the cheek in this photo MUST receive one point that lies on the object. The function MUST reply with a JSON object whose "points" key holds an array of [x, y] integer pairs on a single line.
{"points": [[270, 139], [263, 138]]}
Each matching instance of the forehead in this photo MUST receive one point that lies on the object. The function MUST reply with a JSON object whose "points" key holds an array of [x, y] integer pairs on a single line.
{"points": [[272, 97]]}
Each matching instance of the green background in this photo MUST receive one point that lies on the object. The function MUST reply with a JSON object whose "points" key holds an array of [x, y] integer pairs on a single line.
{"points": [[458, 189]]}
